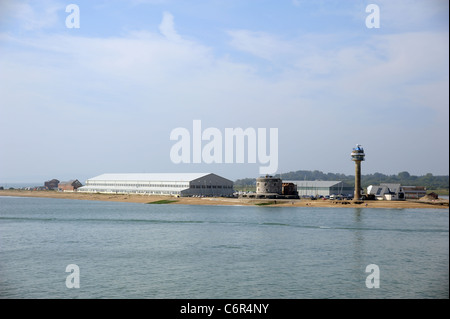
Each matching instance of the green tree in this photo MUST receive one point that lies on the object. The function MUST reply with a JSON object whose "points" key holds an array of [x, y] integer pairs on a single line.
{"points": [[404, 175]]}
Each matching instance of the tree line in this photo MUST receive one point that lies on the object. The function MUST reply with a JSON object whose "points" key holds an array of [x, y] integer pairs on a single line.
{"points": [[404, 178]]}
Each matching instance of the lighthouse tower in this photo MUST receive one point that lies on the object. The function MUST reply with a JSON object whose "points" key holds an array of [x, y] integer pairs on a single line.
{"points": [[358, 156]]}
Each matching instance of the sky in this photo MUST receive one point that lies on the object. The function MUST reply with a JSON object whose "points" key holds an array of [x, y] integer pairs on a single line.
{"points": [[104, 97]]}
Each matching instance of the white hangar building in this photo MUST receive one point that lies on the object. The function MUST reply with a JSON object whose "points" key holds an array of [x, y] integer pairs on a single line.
{"points": [[182, 184]]}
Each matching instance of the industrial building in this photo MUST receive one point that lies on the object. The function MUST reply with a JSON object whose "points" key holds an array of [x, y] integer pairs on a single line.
{"points": [[180, 184], [321, 188], [273, 187]]}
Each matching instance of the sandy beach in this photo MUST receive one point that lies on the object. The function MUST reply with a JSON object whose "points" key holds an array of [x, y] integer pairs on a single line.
{"points": [[134, 198]]}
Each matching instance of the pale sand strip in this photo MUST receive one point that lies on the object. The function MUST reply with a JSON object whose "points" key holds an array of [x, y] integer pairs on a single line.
{"points": [[134, 198]]}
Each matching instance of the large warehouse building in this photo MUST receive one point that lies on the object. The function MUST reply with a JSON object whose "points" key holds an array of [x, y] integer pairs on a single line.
{"points": [[182, 184], [321, 188]]}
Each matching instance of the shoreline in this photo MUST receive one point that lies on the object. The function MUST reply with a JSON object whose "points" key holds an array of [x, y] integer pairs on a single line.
{"points": [[145, 199]]}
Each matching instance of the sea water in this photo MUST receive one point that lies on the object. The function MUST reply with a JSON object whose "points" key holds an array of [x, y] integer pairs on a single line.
{"points": [[127, 250]]}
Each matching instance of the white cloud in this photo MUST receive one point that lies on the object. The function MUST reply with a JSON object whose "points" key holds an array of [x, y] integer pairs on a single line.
{"points": [[139, 86], [410, 15], [30, 15], [261, 44], [167, 27], [379, 66]]}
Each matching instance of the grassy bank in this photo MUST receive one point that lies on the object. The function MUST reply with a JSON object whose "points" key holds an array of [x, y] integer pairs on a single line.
{"points": [[163, 201]]}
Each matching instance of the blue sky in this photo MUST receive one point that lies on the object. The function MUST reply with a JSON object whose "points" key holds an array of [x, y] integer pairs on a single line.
{"points": [[103, 98]]}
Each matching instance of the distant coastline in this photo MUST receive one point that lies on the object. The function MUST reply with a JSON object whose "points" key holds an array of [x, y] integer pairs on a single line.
{"points": [[171, 200]]}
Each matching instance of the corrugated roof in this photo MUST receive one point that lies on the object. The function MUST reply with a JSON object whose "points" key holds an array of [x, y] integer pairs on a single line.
{"points": [[163, 177], [393, 187], [314, 183]]}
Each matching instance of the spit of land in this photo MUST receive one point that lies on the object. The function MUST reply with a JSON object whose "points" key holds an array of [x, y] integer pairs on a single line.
{"points": [[172, 200]]}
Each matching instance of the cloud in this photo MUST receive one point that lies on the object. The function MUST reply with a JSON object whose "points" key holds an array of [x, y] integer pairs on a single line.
{"points": [[167, 27], [147, 68], [261, 44], [124, 94], [413, 15], [30, 16], [374, 65]]}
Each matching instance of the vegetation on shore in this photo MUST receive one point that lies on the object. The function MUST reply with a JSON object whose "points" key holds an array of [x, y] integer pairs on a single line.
{"points": [[265, 203], [442, 192], [163, 201]]}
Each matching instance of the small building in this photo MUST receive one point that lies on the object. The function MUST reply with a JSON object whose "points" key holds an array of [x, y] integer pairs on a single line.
{"points": [[414, 192], [289, 189], [52, 184], [386, 191], [177, 184], [69, 186]]}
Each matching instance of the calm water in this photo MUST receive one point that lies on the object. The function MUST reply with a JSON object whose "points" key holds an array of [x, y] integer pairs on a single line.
{"points": [[172, 251]]}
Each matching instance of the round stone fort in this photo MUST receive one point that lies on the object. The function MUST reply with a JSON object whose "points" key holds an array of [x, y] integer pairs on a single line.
{"points": [[268, 185]]}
